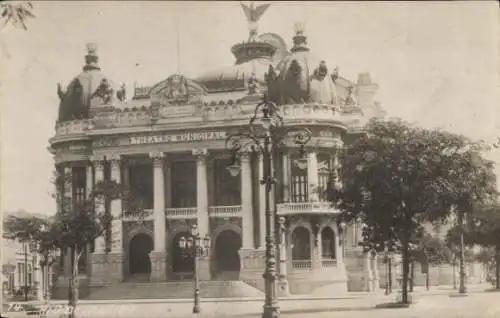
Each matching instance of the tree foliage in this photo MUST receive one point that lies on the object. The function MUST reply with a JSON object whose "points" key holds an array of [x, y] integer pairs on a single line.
{"points": [[16, 13], [431, 249], [482, 228], [397, 176], [76, 224]]}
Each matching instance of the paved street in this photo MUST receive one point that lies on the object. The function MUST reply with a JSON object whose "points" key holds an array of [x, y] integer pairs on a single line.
{"points": [[435, 303]]}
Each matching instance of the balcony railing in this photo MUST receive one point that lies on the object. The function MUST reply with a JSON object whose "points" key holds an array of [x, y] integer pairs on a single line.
{"points": [[329, 262], [326, 265], [224, 211], [181, 213], [147, 214], [301, 264], [292, 208]]}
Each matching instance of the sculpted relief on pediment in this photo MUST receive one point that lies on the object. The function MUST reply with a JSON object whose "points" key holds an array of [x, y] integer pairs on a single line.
{"points": [[176, 90]]}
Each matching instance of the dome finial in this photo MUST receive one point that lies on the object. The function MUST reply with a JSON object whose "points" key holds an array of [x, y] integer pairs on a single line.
{"points": [[91, 58], [299, 40]]}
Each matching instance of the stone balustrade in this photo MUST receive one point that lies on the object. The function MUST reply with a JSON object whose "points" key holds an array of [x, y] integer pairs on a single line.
{"points": [[181, 213], [72, 127], [304, 265], [145, 116], [146, 214], [292, 208], [225, 211], [309, 111]]}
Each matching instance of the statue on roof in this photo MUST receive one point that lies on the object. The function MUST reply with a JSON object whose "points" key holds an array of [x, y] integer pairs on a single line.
{"points": [[272, 85], [121, 93], [350, 100], [335, 74], [60, 91], [253, 85], [253, 15], [104, 93]]}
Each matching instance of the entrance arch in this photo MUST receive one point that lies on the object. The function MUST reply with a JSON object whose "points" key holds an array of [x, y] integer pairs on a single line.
{"points": [[227, 258], [139, 248]]}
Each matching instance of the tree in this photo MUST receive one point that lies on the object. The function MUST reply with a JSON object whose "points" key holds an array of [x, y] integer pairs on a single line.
{"points": [[397, 176], [33, 231], [76, 224], [431, 250], [483, 228], [17, 14]]}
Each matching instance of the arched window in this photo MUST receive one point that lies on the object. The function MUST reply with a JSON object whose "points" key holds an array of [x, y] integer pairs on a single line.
{"points": [[301, 248], [328, 243]]}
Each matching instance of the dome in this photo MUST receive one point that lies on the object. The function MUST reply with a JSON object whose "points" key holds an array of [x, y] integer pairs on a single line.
{"points": [[87, 90], [303, 77], [252, 62]]}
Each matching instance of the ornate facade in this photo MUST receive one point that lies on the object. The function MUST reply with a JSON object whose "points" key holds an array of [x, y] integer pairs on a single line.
{"points": [[167, 143]]}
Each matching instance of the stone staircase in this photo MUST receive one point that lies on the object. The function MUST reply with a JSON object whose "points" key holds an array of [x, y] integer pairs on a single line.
{"points": [[173, 290]]}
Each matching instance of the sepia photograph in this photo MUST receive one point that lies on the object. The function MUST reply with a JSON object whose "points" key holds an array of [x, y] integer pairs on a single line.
{"points": [[294, 159]]}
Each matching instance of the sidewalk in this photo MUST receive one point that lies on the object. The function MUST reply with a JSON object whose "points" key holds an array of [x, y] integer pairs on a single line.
{"points": [[351, 295], [237, 307]]}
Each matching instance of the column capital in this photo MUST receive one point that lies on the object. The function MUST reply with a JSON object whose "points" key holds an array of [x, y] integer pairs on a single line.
{"points": [[246, 152], [97, 158], [113, 158], [157, 158], [98, 161], [200, 153]]}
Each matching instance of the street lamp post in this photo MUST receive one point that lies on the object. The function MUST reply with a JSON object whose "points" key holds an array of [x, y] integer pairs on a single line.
{"points": [[387, 272], [461, 288], [264, 135], [198, 246]]}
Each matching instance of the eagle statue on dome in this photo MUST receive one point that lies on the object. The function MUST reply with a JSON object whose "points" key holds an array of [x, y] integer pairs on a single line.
{"points": [[253, 15]]}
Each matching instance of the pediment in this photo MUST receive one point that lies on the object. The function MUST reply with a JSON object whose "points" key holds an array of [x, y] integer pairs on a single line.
{"points": [[176, 90]]}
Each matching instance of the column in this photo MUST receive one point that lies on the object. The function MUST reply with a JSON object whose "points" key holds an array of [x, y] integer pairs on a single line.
{"points": [[336, 167], [376, 274], [89, 180], [116, 256], [316, 250], [202, 206], [98, 259], [158, 255], [246, 201], [100, 245], [202, 190], [262, 205], [168, 183], [368, 276], [312, 175], [286, 177], [283, 287], [340, 243], [67, 200]]}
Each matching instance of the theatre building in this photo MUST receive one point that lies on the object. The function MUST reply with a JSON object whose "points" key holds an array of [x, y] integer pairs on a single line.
{"points": [[166, 142]]}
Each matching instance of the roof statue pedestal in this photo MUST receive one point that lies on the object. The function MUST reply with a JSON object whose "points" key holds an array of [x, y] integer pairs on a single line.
{"points": [[365, 89]]}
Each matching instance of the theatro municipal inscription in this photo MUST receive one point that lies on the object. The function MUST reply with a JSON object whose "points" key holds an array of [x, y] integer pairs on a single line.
{"points": [[184, 137]]}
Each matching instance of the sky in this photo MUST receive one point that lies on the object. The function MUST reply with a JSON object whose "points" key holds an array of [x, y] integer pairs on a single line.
{"points": [[437, 64]]}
